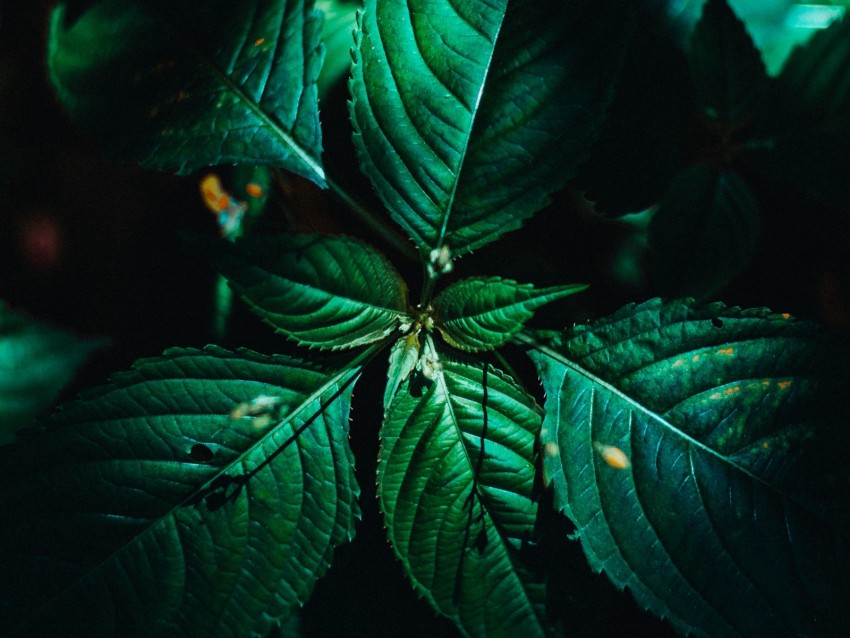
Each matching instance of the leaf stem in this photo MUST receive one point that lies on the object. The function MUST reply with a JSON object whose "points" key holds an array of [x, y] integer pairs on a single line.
{"points": [[372, 222]]}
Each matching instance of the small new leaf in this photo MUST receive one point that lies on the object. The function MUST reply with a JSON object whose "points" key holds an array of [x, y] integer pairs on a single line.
{"points": [[179, 86], [321, 291], [700, 452], [484, 313]]}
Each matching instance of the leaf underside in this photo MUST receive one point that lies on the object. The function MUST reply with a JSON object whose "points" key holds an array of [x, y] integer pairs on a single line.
{"points": [[322, 291], [458, 521], [731, 515], [179, 86], [146, 509], [445, 93]]}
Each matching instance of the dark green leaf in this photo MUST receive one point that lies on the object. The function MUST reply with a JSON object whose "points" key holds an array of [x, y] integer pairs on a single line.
{"points": [[455, 479], [728, 72], [201, 494], [704, 233], [445, 93], [329, 292], [36, 362], [484, 313], [818, 73], [178, 86], [730, 516], [640, 148], [814, 160]]}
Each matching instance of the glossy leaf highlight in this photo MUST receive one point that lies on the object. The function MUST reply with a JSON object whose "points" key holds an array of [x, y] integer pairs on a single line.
{"points": [[729, 517], [328, 292], [484, 313], [201, 494], [455, 479], [445, 93], [179, 86]]}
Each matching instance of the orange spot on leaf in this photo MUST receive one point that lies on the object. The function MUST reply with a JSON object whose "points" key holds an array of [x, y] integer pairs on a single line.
{"points": [[786, 315], [259, 41], [613, 456], [726, 351], [254, 190], [732, 390], [784, 384]]}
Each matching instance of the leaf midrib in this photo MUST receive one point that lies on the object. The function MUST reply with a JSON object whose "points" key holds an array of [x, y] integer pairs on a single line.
{"points": [[558, 357], [361, 360]]}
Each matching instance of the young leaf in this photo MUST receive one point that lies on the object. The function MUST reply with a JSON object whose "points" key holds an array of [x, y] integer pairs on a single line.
{"points": [[444, 93], [700, 452], [329, 292], [403, 359], [455, 478], [704, 233], [201, 494], [36, 362], [728, 71], [178, 86], [484, 313], [337, 29]]}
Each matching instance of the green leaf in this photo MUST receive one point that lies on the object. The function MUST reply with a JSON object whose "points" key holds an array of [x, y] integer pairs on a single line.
{"points": [[445, 93], [455, 480], [728, 71], [201, 494], [404, 357], [704, 233], [818, 73], [178, 86], [730, 517], [328, 292], [36, 362], [337, 37], [484, 313]]}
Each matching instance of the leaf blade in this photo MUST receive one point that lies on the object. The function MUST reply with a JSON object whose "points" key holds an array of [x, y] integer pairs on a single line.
{"points": [[182, 87], [443, 97], [323, 291], [484, 313], [458, 519], [728, 520], [145, 478], [36, 362]]}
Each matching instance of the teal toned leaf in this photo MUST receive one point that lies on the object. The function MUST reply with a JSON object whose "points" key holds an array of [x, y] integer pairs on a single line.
{"points": [[455, 478], [337, 36], [36, 362], [729, 516], [329, 292], [201, 494], [182, 85], [818, 73], [484, 313], [728, 71], [704, 233], [467, 116]]}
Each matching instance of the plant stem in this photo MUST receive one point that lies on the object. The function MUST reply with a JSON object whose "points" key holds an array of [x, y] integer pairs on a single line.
{"points": [[372, 222]]}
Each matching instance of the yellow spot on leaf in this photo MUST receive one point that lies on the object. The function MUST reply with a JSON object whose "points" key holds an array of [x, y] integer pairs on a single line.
{"points": [[726, 351], [765, 382], [550, 449], [214, 196], [678, 363], [695, 358], [613, 456], [786, 315], [259, 41], [732, 390], [715, 396], [766, 445]]}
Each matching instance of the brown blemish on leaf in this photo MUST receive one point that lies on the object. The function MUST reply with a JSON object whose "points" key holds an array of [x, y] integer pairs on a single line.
{"points": [[783, 385], [259, 41]]}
